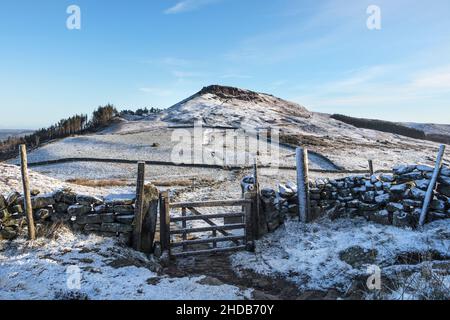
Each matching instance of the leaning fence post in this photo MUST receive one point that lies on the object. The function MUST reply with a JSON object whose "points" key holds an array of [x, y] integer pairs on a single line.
{"points": [[26, 192], [139, 207], [164, 221], [432, 185], [303, 184]]}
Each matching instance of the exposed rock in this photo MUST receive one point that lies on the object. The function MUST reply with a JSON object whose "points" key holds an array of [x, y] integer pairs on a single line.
{"points": [[42, 214], [123, 209], [103, 208], [92, 227], [357, 256], [424, 168], [268, 193], [399, 189], [437, 205], [409, 177], [412, 203], [8, 234], [444, 180], [65, 195], [61, 207], [418, 194], [437, 215], [77, 210], [359, 189], [387, 178], [116, 227], [285, 192], [368, 196], [422, 184], [108, 217], [369, 206], [125, 219], [60, 217], [17, 209], [401, 219], [210, 281], [88, 200], [42, 202], [12, 199], [393, 207], [381, 217], [151, 193], [403, 169], [444, 190], [35, 192], [89, 219], [292, 186]]}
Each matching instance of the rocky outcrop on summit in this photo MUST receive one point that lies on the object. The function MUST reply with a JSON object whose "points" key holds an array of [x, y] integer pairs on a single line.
{"points": [[227, 93]]}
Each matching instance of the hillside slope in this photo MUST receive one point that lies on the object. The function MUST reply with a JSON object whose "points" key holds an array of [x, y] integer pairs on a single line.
{"points": [[152, 138]]}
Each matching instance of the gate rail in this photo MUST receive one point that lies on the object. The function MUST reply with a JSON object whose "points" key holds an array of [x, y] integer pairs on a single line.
{"points": [[241, 242]]}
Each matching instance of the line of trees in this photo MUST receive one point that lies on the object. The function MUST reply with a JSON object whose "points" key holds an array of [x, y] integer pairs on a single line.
{"points": [[142, 112], [381, 125], [77, 124]]}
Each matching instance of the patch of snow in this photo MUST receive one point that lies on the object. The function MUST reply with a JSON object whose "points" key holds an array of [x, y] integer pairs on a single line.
{"points": [[309, 254], [44, 269]]}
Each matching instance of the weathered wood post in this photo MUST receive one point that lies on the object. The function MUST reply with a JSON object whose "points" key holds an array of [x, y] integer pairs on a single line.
{"points": [[249, 220], [303, 184], [371, 167], [257, 217], [432, 186], [164, 221], [139, 207], [26, 192]]}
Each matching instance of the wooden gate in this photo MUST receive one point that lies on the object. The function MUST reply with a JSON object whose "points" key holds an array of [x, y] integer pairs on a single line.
{"points": [[220, 233]]}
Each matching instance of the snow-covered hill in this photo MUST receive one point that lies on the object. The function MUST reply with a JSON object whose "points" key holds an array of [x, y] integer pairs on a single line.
{"points": [[151, 138], [233, 107]]}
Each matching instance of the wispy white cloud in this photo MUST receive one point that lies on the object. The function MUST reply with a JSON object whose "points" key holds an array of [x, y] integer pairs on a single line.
{"points": [[189, 5], [435, 79], [383, 91]]}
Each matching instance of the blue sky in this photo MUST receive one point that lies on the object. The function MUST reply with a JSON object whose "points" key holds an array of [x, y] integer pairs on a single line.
{"points": [[156, 52]]}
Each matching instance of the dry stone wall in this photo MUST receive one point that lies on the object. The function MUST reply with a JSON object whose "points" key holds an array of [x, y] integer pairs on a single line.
{"points": [[390, 199], [108, 217]]}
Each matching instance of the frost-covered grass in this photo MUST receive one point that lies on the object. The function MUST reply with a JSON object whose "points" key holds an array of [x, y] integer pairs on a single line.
{"points": [[44, 269], [309, 254]]}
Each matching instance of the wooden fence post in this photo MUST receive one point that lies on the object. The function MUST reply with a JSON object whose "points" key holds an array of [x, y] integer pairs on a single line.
{"points": [[164, 221], [371, 167], [432, 186], [250, 227], [257, 200], [26, 192], [303, 184], [139, 207]]}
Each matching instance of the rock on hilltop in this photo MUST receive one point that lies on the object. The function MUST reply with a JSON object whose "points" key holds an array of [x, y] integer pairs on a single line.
{"points": [[227, 106]]}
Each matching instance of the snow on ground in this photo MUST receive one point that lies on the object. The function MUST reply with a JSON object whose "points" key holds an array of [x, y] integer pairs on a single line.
{"points": [[104, 171], [10, 180], [47, 269], [309, 254]]}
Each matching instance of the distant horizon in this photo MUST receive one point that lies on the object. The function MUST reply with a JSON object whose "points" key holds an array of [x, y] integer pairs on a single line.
{"points": [[387, 60], [134, 108]]}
